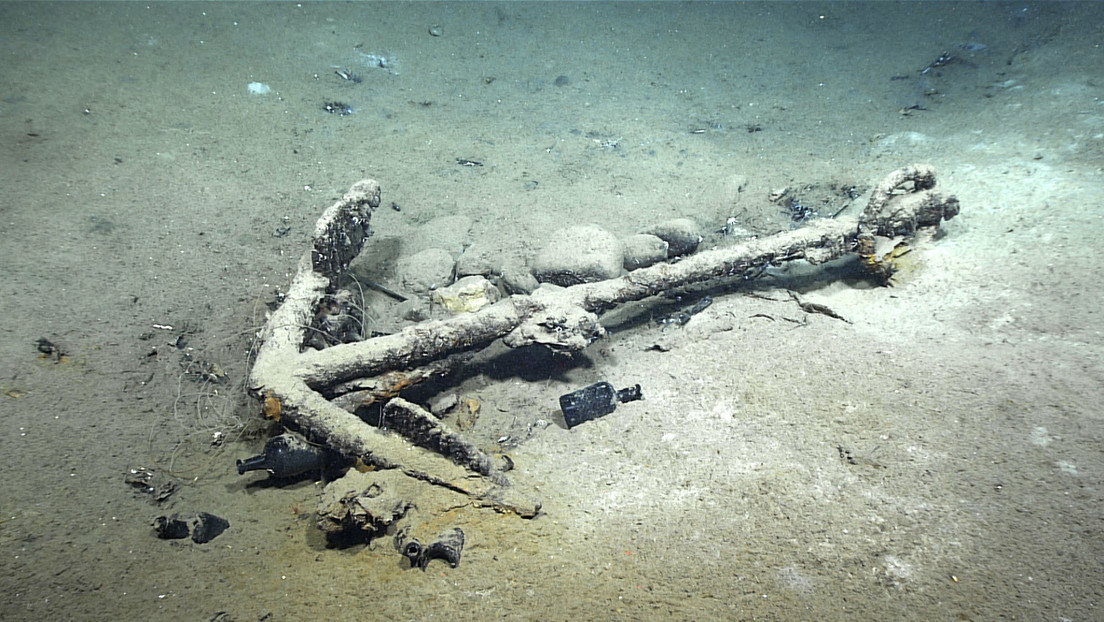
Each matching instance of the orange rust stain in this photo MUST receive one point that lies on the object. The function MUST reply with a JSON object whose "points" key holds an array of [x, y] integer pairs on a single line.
{"points": [[272, 408]]}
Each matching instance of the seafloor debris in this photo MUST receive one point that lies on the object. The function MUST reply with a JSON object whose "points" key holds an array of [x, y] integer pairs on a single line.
{"points": [[202, 526], [318, 391], [447, 546]]}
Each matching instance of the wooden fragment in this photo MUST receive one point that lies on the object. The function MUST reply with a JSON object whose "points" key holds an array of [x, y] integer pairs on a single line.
{"points": [[317, 390]]}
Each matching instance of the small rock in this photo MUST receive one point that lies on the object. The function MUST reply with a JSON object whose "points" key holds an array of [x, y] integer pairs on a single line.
{"points": [[469, 294], [443, 403], [203, 527], [518, 280], [682, 235], [491, 256], [171, 527], [207, 527], [580, 254], [479, 258], [643, 250], [426, 270]]}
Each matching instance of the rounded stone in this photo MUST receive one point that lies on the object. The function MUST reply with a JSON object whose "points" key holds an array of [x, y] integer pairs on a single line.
{"points": [[579, 254], [643, 250], [681, 234], [467, 295], [426, 270], [517, 280]]}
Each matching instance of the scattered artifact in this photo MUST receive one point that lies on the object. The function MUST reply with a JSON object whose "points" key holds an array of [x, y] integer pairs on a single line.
{"points": [[597, 400], [288, 455], [680, 318], [157, 486], [317, 392], [49, 350], [202, 526], [447, 546]]}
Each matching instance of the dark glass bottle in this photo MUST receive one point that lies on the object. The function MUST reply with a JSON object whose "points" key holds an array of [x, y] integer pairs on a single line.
{"points": [[286, 455], [594, 401]]}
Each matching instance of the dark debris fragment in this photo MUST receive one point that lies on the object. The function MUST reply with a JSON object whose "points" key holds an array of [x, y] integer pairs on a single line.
{"points": [[48, 349], [341, 109], [447, 546], [202, 526]]}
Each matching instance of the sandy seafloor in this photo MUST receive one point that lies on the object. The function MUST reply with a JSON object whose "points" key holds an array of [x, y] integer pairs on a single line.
{"points": [[143, 185]]}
